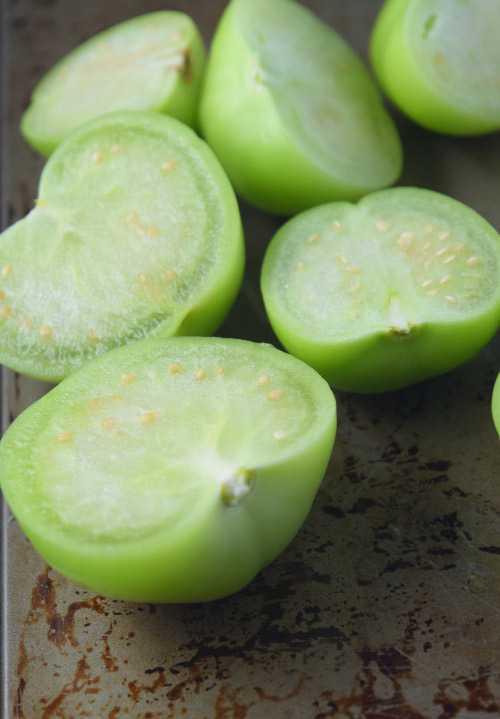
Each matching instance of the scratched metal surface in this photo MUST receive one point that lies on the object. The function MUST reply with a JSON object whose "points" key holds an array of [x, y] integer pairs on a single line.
{"points": [[387, 603]]}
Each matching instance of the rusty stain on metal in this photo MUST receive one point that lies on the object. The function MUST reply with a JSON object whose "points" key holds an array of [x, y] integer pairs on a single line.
{"points": [[60, 630], [385, 605], [80, 680], [136, 690], [110, 662], [43, 597]]}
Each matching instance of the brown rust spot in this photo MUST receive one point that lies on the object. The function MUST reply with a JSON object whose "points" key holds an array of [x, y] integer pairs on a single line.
{"points": [[176, 692], [226, 704], [60, 630], [109, 661], [387, 663], [21, 666], [137, 689], [79, 682], [463, 696]]}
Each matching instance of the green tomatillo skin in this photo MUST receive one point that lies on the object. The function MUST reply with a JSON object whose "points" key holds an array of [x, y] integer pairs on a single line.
{"points": [[292, 112], [151, 62], [136, 232], [376, 296], [170, 470], [439, 60], [495, 404]]}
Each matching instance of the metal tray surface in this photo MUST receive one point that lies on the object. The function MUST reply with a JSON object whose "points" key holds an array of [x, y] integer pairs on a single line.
{"points": [[386, 605]]}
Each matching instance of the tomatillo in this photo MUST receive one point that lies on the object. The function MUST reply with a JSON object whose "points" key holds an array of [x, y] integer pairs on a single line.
{"points": [[136, 232], [170, 470], [403, 286], [439, 60], [291, 111], [151, 62]]}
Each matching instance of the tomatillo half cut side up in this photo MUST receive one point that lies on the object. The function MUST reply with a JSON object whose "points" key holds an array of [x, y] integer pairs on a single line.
{"points": [[151, 62], [170, 470], [439, 60], [376, 296], [292, 112], [136, 232]]}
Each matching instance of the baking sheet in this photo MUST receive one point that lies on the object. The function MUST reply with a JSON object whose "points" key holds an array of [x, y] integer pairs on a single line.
{"points": [[386, 605]]}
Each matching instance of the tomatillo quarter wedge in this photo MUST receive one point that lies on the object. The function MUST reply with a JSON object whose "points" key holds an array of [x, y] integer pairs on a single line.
{"points": [[292, 112], [136, 232], [380, 295], [170, 470], [439, 62], [151, 62]]}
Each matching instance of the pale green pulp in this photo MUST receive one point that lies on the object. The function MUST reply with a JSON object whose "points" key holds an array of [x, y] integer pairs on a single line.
{"points": [[151, 62], [202, 452], [291, 112], [322, 92], [386, 279], [135, 231], [439, 61]]}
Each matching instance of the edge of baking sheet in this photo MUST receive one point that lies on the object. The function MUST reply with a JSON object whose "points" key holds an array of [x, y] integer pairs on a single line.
{"points": [[4, 416]]}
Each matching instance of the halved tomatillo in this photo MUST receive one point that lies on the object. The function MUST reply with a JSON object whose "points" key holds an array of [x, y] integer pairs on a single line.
{"points": [[170, 470], [151, 62], [403, 286], [292, 112], [439, 60], [136, 232]]}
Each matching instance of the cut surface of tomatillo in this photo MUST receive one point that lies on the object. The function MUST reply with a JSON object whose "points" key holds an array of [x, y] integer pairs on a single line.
{"points": [[376, 296], [292, 112], [136, 232], [170, 470], [439, 60], [151, 62]]}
